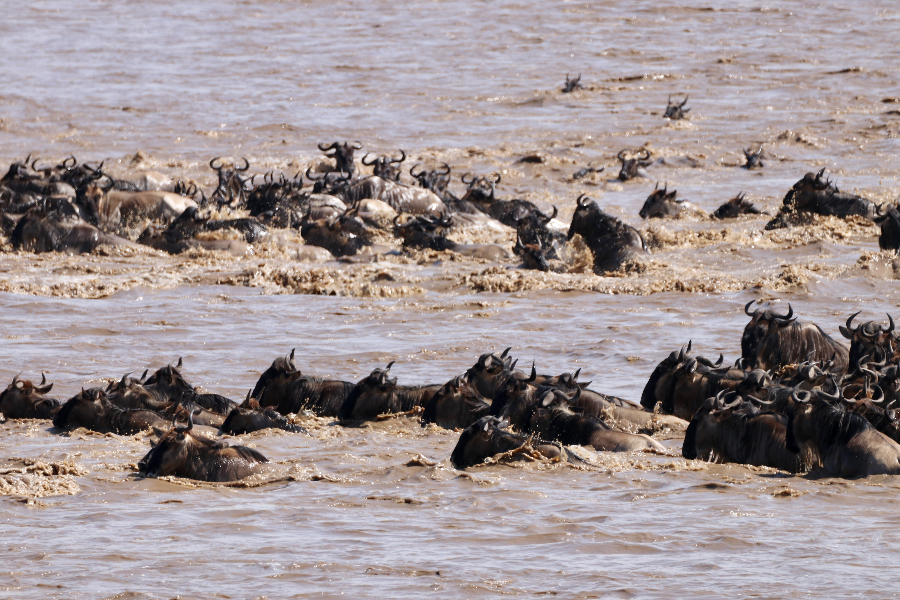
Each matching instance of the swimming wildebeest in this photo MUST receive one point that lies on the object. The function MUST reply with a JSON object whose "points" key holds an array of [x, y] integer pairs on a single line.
{"points": [[377, 394], [611, 241], [634, 164], [92, 410], [771, 340], [890, 228], [250, 417], [663, 203], [731, 429], [676, 111], [572, 84], [456, 405], [754, 159], [23, 400], [735, 207], [284, 387], [870, 339], [180, 453], [488, 437], [231, 185], [813, 195], [169, 382], [342, 155], [384, 166]]}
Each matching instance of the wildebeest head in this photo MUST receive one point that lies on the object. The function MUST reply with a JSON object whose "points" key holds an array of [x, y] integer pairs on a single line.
{"points": [[231, 186], [490, 372], [890, 228], [384, 166], [611, 241], [572, 84], [435, 180], [169, 381], [84, 409], [656, 388], [661, 203], [754, 159], [22, 399], [480, 189], [485, 438], [870, 339], [633, 163], [173, 450], [281, 373], [761, 322], [424, 231], [343, 235], [456, 404], [333, 182], [738, 205], [532, 255], [342, 155], [676, 111]]}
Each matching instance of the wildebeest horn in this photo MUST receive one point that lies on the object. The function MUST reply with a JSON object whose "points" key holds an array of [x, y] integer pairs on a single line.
{"points": [[797, 397], [463, 179], [505, 352], [388, 368], [214, 167], [784, 320], [326, 148], [356, 145], [513, 365], [125, 378], [496, 178], [446, 170], [685, 101], [747, 309], [246, 165], [719, 362], [533, 375], [413, 168], [400, 160], [576, 374], [369, 164], [621, 155], [849, 331], [891, 321], [547, 398], [310, 177], [585, 202], [178, 365]]}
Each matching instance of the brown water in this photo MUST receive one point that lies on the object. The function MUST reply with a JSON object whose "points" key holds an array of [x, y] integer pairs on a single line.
{"points": [[476, 85]]}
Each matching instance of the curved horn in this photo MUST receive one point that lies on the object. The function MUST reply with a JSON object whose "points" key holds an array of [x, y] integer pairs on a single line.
{"points": [[400, 160], [786, 318], [463, 179], [621, 155], [214, 167], [326, 148], [413, 168], [533, 375], [369, 164], [388, 368], [586, 200], [796, 396], [310, 177], [246, 164], [356, 145], [891, 326]]}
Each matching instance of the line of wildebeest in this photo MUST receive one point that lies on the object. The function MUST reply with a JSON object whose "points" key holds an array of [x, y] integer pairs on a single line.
{"points": [[75, 208], [796, 400]]}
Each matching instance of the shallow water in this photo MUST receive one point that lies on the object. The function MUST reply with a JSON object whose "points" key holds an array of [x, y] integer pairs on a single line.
{"points": [[474, 84]]}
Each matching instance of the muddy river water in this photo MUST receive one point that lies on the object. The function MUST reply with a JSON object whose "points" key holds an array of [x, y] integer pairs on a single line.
{"points": [[378, 511]]}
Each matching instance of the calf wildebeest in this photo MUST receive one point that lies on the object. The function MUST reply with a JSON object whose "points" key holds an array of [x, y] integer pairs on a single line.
{"points": [[456, 405], [572, 84], [662, 203], [634, 164], [250, 417], [284, 387], [552, 419], [23, 400], [488, 437], [838, 442], [342, 155], [735, 207], [729, 429], [870, 339], [771, 340], [612, 242], [377, 394], [169, 382], [92, 410], [231, 185], [384, 166], [180, 453], [754, 159], [813, 195], [676, 111], [889, 239]]}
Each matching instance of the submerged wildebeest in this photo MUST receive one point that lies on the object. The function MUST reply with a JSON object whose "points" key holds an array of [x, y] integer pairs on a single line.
{"points": [[344, 235], [837, 442], [813, 195], [731, 429], [532, 255], [57, 226], [23, 400], [284, 387], [250, 417], [663, 203], [377, 394], [129, 393], [342, 155], [771, 340], [870, 339], [612, 242], [676, 111], [585, 171], [552, 418], [754, 159], [889, 220], [384, 166], [169, 382], [488, 437], [183, 232], [93, 410], [735, 207], [180, 453], [421, 231], [456, 405], [634, 164], [572, 84]]}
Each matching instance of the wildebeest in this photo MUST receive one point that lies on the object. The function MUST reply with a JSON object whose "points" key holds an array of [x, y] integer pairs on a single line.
{"points": [[813, 195], [676, 111], [739, 205], [92, 409], [889, 220], [180, 453], [771, 340], [730, 429], [585, 171], [60, 228], [400, 197], [838, 442], [754, 159], [183, 232], [378, 394], [490, 372], [169, 382], [663, 203], [284, 387], [344, 235], [488, 437], [250, 417], [532, 255], [634, 164], [421, 231], [611, 241], [231, 186], [456, 405], [436, 180], [342, 155], [870, 339], [572, 84], [23, 400], [552, 419], [384, 166]]}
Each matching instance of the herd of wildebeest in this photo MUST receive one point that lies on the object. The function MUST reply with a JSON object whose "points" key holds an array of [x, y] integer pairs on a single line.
{"points": [[796, 400], [74, 208]]}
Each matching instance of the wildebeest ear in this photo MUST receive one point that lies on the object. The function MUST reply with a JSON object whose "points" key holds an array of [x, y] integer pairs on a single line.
{"points": [[546, 399], [159, 434], [575, 374], [845, 332], [487, 424], [20, 384]]}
